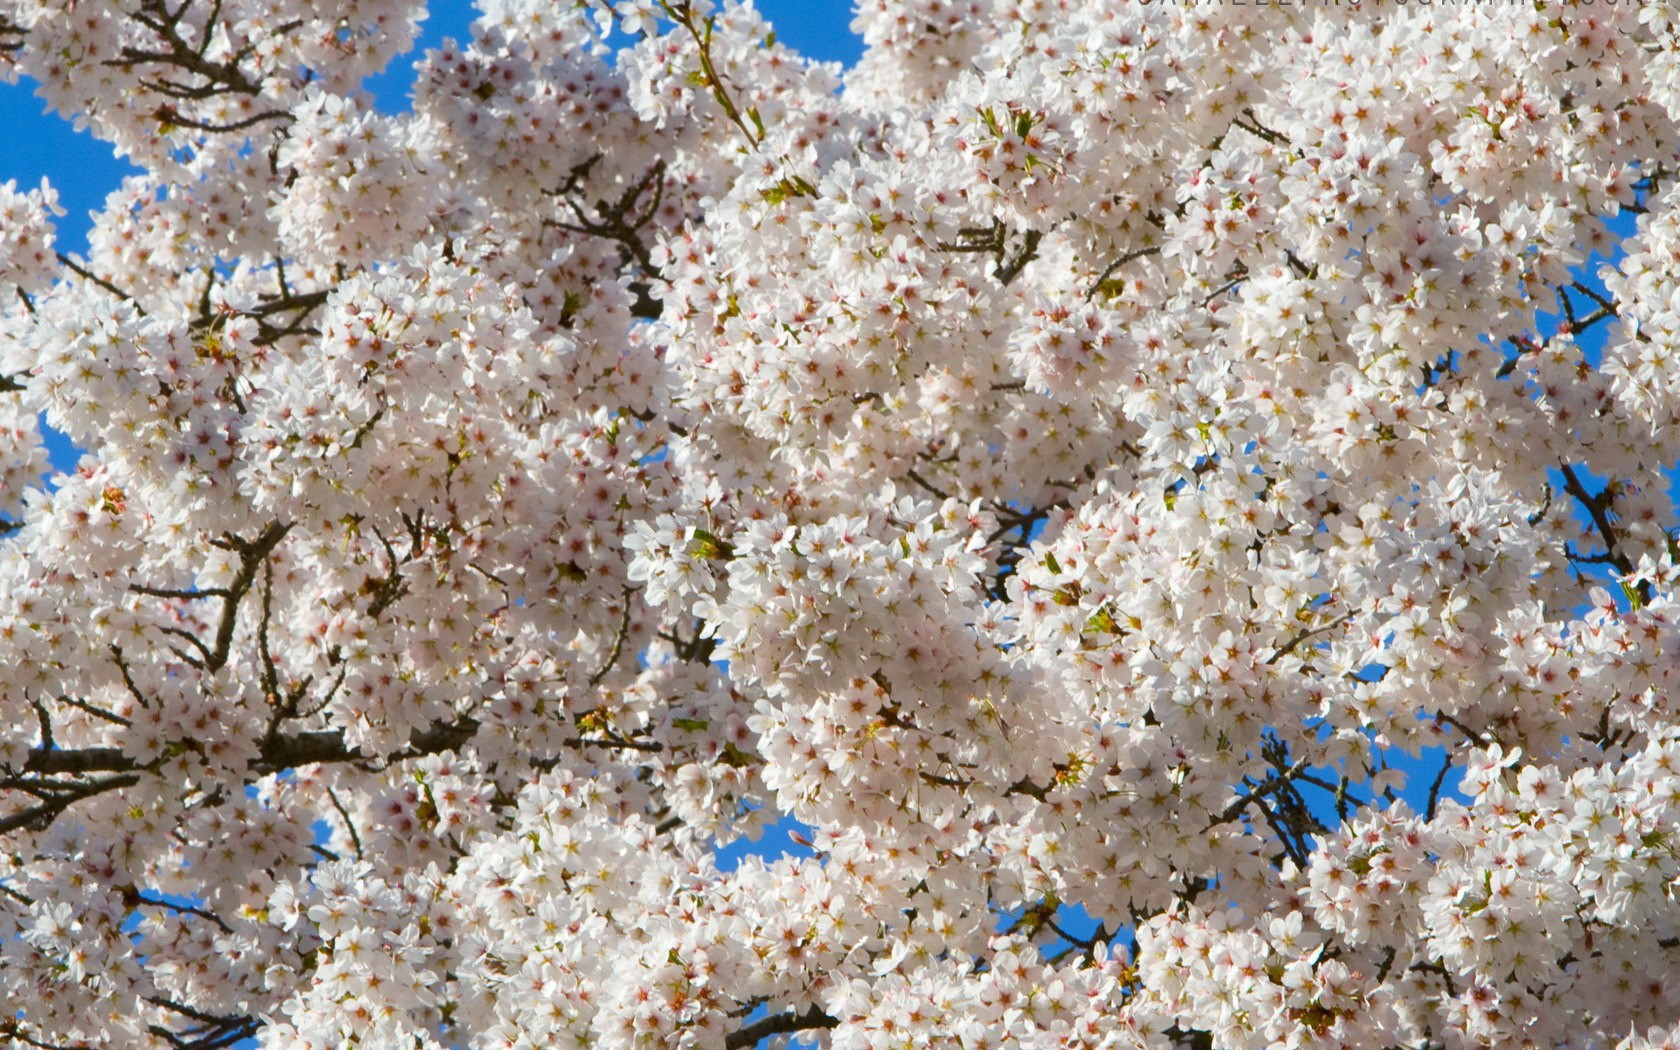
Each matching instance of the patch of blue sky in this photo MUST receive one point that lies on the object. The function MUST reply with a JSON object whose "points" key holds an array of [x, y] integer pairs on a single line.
{"points": [[783, 837]]}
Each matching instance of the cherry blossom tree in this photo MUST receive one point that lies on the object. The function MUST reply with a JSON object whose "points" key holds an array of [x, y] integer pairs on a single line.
{"points": [[1191, 462]]}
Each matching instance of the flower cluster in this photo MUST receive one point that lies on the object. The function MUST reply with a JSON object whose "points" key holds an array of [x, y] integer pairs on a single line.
{"points": [[26, 237], [361, 190]]}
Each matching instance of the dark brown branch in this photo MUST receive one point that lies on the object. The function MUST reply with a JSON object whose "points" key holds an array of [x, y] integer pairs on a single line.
{"points": [[1289, 832], [181, 593], [349, 825], [219, 1037], [299, 307], [170, 115], [649, 746], [1028, 251], [1435, 789], [324, 746], [44, 814], [1478, 738], [88, 275], [1108, 271], [932, 489], [1232, 282], [1290, 646], [1598, 508], [618, 220], [94, 710], [390, 589], [11, 1029], [128, 677], [287, 303], [622, 222], [1258, 130], [253, 555], [1270, 786], [1600, 301], [197, 1015], [218, 78], [11, 34], [277, 752], [993, 240], [49, 761], [618, 642], [290, 750], [180, 909], [780, 1024], [982, 240]]}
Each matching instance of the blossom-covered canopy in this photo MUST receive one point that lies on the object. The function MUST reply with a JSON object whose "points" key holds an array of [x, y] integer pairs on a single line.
{"points": [[1203, 463]]}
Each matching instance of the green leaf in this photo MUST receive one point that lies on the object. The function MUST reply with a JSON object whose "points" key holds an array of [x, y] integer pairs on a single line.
{"points": [[1360, 863], [1632, 593], [705, 545], [789, 186], [1068, 594], [1102, 621]]}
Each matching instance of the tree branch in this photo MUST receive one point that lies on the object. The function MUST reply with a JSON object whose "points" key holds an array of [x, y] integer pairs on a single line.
{"points": [[1598, 509], [1303, 636], [780, 1024], [253, 554], [1270, 786], [48, 811]]}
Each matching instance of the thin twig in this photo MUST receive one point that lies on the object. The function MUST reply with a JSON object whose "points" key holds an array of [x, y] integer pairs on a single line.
{"points": [[1260, 791]]}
